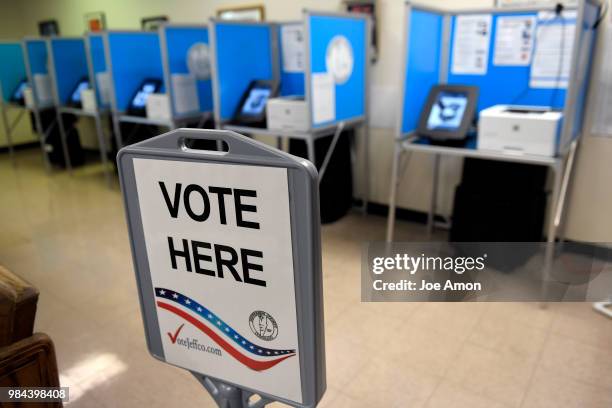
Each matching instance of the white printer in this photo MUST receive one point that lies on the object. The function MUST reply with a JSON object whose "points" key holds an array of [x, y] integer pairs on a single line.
{"points": [[287, 113], [520, 129]]}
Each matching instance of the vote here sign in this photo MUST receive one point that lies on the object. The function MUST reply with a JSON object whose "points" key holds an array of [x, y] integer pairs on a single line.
{"points": [[219, 249]]}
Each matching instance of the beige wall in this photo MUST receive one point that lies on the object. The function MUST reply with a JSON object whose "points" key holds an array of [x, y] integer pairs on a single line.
{"points": [[589, 216]]}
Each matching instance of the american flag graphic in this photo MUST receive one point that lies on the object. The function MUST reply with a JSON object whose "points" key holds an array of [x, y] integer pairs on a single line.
{"points": [[254, 356]]}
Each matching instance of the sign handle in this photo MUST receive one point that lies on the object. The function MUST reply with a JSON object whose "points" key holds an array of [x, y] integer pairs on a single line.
{"points": [[236, 144], [229, 396]]}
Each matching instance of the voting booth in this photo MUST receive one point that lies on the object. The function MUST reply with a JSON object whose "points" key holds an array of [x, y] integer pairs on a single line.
{"points": [[537, 58], [320, 66], [227, 254], [13, 82], [135, 73], [527, 57], [241, 52], [158, 78], [74, 92], [39, 97], [68, 69], [322, 59]]}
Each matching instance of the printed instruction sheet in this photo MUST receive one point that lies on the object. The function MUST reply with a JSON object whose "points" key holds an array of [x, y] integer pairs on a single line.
{"points": [[44, 92], [103, 84], [323, 97], [292, 45], [471, 41], [552, 55], [514, 37], [185, 93]]}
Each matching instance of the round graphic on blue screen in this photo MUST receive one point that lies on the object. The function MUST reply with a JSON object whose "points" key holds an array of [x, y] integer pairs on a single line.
{"points": [[447, 111]]}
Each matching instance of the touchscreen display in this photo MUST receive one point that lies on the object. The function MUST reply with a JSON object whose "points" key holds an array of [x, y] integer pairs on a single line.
{"points": [[76, 94], [140, 99], [256, 102], [447, 112], [18, 93]]}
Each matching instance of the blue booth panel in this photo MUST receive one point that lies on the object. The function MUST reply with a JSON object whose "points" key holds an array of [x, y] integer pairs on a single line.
{"points": [[507, 84], [97, 59], [243, 52], [292, 83], [350, 96], [96, 50], [69, 65], [133, 57], [37, 55], [424, 41], [37, 66], [178, 42], [12, 69]]}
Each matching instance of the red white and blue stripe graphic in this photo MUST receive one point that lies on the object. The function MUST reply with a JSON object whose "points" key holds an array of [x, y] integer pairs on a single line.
{"points": [[254, 356]]}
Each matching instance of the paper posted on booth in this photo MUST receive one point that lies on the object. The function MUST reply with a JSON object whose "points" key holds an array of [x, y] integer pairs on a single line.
{"points": [[552, 55], [323, 97], [514, 38], [471, 41]]}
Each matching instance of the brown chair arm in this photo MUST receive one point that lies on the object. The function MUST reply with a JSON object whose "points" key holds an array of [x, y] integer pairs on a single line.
{"points": [[29, 362]]}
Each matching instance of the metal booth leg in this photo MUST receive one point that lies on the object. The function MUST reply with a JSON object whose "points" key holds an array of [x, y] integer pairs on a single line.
{"points": [[549, 254], [366, 167], [563, 194], [8, 132], [103, 151], [397, 151], [562, 174], [41, 138], [434, 196], [330, 150], [63, 137]]}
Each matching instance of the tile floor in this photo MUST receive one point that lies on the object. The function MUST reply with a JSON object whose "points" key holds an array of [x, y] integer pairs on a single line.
{"points": [[67, 235]]}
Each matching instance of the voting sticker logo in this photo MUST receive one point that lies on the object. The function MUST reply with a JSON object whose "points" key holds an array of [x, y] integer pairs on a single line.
{"points": [[253, 356]]}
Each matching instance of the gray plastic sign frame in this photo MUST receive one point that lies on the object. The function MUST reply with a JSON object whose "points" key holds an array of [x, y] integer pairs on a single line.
{"points": [[306, 246]]}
